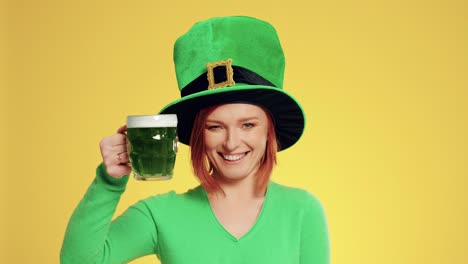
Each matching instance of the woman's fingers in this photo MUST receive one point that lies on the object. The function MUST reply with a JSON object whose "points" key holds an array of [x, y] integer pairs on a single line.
{"points": [[114, 140], [118, 171], [122, 129], [114, 153], [122, 157]]}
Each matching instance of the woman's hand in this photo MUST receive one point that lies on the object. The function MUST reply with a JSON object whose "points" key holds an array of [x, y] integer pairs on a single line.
{"points": [[114, 154]]}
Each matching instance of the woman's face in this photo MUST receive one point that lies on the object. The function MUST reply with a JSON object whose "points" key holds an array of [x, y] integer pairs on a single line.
{"points": [[235, 140]]}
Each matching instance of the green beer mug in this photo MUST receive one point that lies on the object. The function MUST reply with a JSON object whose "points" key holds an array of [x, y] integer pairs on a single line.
{"points": [[152, 146]]}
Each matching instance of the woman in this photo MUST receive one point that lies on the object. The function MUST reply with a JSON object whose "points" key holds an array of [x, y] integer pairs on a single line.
{"points": [[234, 128]]}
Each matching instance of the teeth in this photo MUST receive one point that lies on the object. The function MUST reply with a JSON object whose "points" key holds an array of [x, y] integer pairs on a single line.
{"points": [[234, 157]]}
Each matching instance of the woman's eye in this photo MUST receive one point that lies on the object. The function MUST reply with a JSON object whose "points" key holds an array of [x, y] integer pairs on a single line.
{"points": [[248, 125], [213, 127]]}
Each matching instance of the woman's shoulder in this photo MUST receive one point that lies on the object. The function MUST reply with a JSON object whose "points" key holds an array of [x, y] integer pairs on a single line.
{"points": [[168, 206], [294, 196], [172, 198]]}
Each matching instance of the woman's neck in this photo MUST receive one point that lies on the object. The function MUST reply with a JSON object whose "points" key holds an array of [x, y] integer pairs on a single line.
{"points": [[239, 190]]}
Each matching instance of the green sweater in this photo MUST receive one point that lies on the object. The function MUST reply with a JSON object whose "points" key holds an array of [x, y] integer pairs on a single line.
{"points": [[182, 228]]}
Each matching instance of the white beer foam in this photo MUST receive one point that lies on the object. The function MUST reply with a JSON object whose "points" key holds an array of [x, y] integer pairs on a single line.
{"points": [[168, 120]]}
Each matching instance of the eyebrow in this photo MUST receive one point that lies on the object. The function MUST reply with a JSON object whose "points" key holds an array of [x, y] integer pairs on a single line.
{"points": [[253, 118]]}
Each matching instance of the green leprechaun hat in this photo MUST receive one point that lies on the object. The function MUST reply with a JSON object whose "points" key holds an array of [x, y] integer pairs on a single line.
{"points": [[233, 60]]}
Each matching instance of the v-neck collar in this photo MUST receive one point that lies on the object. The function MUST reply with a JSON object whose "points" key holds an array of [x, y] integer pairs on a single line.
{"points": [[257, 223]]}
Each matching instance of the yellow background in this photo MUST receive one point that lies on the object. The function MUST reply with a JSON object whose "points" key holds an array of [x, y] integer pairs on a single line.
{"points": [[383, 83]]}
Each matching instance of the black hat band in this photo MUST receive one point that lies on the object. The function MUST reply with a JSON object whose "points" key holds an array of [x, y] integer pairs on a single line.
{"points": [[241, 75]]}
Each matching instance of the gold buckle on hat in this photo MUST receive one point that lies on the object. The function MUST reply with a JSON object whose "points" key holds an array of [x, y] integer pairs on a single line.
{"points": [[229, 74]]}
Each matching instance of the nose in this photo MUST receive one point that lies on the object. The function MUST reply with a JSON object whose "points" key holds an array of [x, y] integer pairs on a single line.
{"points": [[232, 140]]}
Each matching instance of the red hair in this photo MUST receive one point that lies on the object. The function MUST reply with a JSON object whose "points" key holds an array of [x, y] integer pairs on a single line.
{"points": [[202, 167]]}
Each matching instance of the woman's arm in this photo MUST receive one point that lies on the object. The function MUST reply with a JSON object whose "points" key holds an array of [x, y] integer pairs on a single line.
{"points": [[315, 244], [91, 237]]}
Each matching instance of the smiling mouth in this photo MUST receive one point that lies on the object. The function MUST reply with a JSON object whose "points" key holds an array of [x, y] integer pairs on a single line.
{"points": [[235, 157]]}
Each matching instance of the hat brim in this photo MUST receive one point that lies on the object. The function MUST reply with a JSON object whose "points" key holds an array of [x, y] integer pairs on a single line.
{"points": [[286, 112]]}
